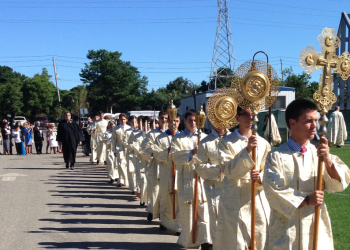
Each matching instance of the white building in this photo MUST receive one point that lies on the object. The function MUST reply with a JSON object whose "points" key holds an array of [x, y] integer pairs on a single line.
{"points": [[286, 95]]}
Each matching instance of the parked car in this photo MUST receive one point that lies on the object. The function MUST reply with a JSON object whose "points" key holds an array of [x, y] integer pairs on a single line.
{"points": [[43, 121], [20, 119]]}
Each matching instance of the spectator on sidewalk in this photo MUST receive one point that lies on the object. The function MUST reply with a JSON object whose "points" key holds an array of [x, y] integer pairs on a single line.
{"points": [[38, 138]]}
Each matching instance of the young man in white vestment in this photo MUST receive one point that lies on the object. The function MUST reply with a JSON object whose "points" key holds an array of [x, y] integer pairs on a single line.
{"points": [[129, 153], [336, 129], [234, 216], [208, 168], [119, 150], [161, 152], [91, 129], [135, 141], [112, 170], [153, 167], [101, 128], [290, 183], [184, 147]]}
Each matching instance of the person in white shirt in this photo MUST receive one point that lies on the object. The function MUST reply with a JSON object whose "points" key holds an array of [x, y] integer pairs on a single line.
{"points": [[16, 134]]}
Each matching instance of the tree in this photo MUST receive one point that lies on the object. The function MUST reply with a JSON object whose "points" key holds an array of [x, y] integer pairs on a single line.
{"points": [[301, 82], [38, 95], [111, 82], [11, 97]]}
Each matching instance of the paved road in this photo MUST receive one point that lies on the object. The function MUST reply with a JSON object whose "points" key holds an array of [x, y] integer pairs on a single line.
{"points": [[45, 206]]}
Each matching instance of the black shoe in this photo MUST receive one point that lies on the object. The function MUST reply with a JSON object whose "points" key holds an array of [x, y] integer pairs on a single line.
{"points": [[133, 192], [97, 162], [178, 234], [162, 228], [142, 204], [150, 217], [111, 181], [206, 246], [71, 167], [67, 165], [338, 146]]}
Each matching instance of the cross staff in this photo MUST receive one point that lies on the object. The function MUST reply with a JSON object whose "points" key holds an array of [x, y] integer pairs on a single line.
{"points": [[328, 60]]}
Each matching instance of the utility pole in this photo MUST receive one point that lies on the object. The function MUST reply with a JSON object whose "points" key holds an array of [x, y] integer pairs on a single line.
{"points": [[56, 76], [282, 69]]}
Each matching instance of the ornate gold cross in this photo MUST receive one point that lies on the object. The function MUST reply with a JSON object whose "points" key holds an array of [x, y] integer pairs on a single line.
{"points": [[328, 60], [324, 96]]}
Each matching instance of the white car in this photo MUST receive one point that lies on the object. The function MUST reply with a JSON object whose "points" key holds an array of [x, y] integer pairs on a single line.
{"points": [[20, 119]]}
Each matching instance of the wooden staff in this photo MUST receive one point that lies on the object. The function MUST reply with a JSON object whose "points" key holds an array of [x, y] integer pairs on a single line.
{"points": [[253, 189], [195, 203], [174, 173], [322, 132]]}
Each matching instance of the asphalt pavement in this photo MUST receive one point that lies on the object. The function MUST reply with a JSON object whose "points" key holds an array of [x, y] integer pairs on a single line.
{"points": [[45, 206]]}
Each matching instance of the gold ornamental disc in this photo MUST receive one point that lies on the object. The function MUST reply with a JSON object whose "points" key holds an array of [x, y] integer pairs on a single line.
{"points": [[225, 108], [255, 86], [222, 108]]}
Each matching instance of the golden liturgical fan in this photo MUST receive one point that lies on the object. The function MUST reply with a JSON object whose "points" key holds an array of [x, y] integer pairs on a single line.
{"points": [[257, 83], [324, 96], [200, 122], [172, 113], [222, 108]]}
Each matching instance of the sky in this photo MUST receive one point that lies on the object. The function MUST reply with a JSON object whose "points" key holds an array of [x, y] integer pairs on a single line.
{"points": [[164, 39]]}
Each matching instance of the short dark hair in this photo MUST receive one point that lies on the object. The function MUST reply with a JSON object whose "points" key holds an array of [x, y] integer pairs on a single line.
{"points": [[239, 110], [67, 112], [190, 112], [123, 114], [139, 119], [162, 113], [297, 108], [146, 118], [132, 117]]}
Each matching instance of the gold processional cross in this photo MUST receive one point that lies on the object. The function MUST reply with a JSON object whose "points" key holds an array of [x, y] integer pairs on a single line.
{"points": [[324, 96]]}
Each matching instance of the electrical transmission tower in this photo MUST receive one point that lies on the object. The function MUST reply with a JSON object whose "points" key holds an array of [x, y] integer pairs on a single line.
{"points": [[223, 62]]}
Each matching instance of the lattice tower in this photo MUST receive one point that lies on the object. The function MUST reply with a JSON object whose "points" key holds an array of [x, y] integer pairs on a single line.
{"points": [[223, 62]]}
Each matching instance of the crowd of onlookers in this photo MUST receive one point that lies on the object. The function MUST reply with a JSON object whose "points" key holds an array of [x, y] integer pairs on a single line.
{"points": [[24, 136]]}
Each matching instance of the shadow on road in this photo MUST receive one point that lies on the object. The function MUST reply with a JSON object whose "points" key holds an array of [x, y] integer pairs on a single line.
{"points": [[89, 213]]}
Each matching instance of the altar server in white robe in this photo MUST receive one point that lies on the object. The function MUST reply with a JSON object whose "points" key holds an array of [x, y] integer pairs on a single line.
{"points": [[91, 128], [234, 216], [112, 170], [129, 154], [101, 128], [161, 152], [336, 129], [119, 150], [276, 137], [208, 168], [153, 167], [135, 141], [290, 183], [184, 147]]}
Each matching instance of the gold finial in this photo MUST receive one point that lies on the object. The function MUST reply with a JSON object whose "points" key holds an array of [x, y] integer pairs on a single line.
{"points": [[172, 111], [200, 118]]}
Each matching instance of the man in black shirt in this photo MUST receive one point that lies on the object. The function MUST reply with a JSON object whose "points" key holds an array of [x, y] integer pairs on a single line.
{"points": [[69, 134], [38, 138]]}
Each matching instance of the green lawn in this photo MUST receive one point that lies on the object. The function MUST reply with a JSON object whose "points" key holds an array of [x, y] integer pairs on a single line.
{"points": [[339, 208]]}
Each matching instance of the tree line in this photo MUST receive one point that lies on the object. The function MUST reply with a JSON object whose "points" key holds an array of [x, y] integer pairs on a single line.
{"points": [[107, 82]]}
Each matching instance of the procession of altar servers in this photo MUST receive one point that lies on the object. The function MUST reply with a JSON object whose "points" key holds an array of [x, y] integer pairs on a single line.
{"points": [[141, 158]]}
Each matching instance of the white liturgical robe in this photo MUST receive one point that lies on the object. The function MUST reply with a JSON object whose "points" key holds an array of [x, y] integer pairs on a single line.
{"points": [[112, 170], [181, 150], [336, 129], [161, 152], [134, 142], [101, 128], [276, 137], [289, 177], [129, 159], [92, 131], [152, 172], [234, 217], [119, 150], [208, 168]]}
